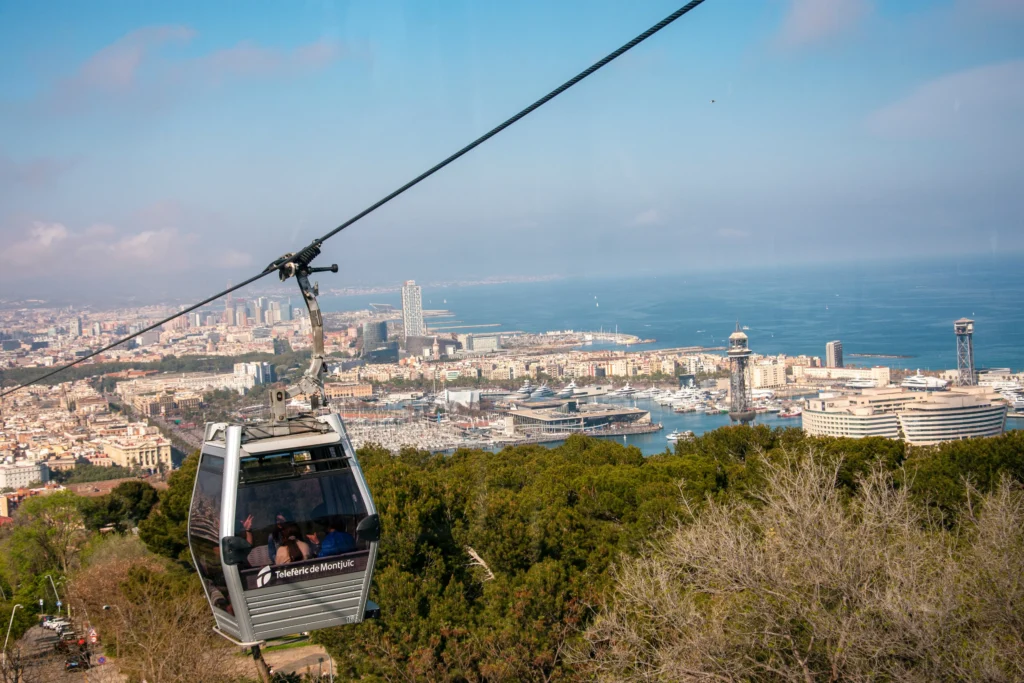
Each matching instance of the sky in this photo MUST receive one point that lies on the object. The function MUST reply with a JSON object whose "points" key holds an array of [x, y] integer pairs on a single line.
{"points": [[166, 149]]}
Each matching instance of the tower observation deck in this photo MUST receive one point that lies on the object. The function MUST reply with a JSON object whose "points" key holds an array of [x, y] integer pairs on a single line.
{"points": [[964, 329], [741, 407]]}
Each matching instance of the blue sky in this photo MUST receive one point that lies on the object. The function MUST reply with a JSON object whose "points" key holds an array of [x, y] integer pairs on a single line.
{"points": [[171, 147]]}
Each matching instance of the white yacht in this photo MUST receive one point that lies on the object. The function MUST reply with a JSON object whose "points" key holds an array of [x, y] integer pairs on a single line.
{"points": [[625, 391], [568, 390], [861, 384], [542, 392], [524, 391], [676, 435], [921, 382]]}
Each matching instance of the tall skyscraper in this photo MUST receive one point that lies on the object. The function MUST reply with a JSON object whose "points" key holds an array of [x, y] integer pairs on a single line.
{"points": [[286, 311], [834, 354], [964, 329], [412, 309], [76, 327], [741, 407]]}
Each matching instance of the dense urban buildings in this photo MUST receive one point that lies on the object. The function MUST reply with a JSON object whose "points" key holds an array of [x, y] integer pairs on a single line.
{"points": [[834, 354], [412, 310]]}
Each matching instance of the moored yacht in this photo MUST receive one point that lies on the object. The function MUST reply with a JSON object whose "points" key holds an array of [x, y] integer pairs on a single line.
{"points": [[921, 382], [625, 391], [568, 390], [542, 392]]}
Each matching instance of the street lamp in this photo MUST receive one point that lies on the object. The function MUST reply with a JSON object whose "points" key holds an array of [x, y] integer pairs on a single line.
{"points": [[55, 593], [9, 625]]}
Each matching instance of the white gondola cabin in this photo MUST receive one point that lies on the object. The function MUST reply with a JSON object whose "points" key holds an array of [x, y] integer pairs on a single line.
{"points": [[282, 526], [282, 529]]}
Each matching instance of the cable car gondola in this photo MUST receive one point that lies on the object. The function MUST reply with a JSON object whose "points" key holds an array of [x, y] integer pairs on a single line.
{"points": [[282, 526]]}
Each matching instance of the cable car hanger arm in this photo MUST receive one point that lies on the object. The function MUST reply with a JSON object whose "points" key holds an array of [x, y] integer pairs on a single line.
{"points": [[298, 266]]}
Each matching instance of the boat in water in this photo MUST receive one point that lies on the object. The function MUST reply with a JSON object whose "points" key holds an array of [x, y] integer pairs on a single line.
{"points": [[921, 382], [567, 391], [624, 391], [793, 411], [676, 435], [542, 392], [524, 391], [861, 384]]}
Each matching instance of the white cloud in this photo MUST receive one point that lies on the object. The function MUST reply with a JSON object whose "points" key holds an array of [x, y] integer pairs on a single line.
{"points": [[86, 252], [139, 67], [648, 217], [979, 101], [810, 22]]}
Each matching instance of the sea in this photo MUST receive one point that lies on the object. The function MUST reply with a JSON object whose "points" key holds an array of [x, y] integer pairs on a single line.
{"points": [[898, 313]]}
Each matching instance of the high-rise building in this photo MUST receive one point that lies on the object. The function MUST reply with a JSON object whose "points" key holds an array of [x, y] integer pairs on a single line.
{"points": [[241, 318], [834, 354], [964, 329], [741, 407], [97, 329], [375, 336], [286, 311], [76, 327], [412, 309]]}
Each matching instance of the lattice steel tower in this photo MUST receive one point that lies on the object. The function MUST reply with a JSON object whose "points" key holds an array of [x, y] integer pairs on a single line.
{"points": [[741, 407], [964, 328]]}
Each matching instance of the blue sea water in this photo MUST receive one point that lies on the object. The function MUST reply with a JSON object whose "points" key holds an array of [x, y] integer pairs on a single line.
{"points": [[896, 308]]}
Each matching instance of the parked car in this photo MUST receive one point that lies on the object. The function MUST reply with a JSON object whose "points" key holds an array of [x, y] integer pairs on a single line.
{"points": [[77, 662], [67, 643]]}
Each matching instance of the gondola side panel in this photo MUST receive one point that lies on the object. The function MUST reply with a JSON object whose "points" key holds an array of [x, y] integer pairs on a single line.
{"points": [[204, 534]]}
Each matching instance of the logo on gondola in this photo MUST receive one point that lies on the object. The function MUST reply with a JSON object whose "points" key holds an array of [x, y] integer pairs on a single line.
{"points": [[263, 578]]}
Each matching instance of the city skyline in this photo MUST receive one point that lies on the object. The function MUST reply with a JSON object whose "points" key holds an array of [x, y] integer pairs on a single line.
{"points": [[176, 148]]}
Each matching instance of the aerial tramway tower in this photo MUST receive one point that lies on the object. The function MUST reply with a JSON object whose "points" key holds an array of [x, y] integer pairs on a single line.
{"points": [[964, 329], [740, 403]]}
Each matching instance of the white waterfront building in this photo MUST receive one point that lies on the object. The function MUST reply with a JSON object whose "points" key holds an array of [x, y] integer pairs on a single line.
{"points": [[919, 418]]}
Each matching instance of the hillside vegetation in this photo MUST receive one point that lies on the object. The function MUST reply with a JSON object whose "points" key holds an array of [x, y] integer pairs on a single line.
{"points": [[746, 554]]}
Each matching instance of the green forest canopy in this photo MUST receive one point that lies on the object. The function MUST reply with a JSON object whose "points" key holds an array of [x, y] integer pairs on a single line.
{"points": [[552, 523], [553, 526]]}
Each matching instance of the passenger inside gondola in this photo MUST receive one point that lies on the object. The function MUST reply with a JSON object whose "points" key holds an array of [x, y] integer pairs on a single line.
{"points": [[292, 548], [315, 513], [337, 540]]}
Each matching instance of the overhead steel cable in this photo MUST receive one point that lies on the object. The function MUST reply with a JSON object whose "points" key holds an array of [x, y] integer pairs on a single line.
{"points": [[502, 126], [155, 325], [314, 246]]}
